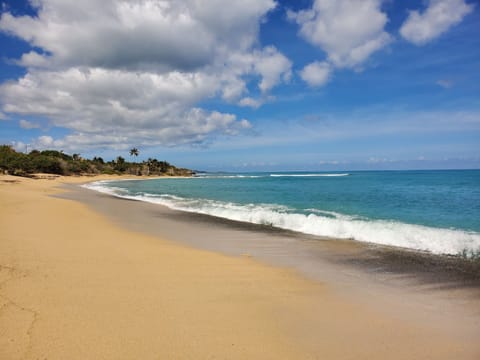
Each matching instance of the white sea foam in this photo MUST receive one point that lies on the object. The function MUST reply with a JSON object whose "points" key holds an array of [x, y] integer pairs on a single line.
{"points": [[240, 176], [309, 175], [209, 176], [319, 222]]}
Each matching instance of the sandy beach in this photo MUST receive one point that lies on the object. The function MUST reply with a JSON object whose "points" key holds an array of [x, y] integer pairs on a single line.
{"points": [[79, 281]]}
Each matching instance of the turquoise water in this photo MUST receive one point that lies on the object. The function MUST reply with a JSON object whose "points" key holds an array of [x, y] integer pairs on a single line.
{"points": [[437, 211]]}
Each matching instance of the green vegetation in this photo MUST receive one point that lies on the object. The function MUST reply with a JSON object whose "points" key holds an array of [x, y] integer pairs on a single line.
{"points": [[57, 162]]}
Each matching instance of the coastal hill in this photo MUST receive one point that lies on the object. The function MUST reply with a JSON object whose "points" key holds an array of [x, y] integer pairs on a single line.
{"points": [[57, 162]]}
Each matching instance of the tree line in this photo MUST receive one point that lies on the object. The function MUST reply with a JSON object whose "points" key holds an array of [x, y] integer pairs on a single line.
{"points": [[60, 163]]}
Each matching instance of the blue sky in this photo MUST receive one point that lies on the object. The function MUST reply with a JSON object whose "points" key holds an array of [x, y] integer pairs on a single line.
{"points": [[256, 85]]}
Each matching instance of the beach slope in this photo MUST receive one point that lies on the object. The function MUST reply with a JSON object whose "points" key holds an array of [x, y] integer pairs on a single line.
{"points": [[74, 285]]}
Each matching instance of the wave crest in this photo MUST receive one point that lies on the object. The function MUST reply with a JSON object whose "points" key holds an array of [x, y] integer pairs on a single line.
{"points": [[310, 175], [318, 222]]}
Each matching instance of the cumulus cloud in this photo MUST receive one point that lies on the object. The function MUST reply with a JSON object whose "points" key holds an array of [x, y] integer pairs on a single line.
{"points": [[124, 107], [316, 73], [118, 72], [44, 141], [25, 124], [181, 35], [440, 15], [271, 66], [349, 31]]}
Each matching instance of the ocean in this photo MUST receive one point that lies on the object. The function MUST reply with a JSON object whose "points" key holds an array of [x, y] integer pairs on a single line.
{"points": [[435, 211]]}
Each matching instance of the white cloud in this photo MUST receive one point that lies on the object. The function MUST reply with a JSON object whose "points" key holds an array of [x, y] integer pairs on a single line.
{"points": [[181, 34], [250, 102], [272, 66], [446, 84], [19, 146], [44, 142], [123, 107], [25, 124], [120, 72], [197, 127], [40, 143], [440, 15], [3, 116], [316, 73], [349, 31]]}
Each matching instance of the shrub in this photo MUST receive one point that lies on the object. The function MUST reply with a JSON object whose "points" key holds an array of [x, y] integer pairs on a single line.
{"points": [[47, 164]]}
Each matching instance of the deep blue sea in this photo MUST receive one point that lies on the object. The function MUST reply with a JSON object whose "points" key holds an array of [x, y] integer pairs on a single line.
{"points": [[436, 211]]}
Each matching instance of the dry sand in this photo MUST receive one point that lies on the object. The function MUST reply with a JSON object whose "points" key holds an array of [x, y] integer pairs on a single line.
{"points": [[74, 285]]}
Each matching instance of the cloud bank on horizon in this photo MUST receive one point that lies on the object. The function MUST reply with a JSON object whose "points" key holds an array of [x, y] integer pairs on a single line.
{"points": [[139, 72]]}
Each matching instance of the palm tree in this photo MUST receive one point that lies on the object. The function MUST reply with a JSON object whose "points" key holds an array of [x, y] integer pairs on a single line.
{"points": [[119, 164], [134, 152]]}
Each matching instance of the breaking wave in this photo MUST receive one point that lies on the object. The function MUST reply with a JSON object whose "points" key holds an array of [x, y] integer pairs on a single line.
{"points": [[246, 176], [309, 175], [318, 222], [221, 176]]}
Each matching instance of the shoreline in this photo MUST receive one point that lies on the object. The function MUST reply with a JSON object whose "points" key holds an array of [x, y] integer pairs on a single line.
{"points": [[384, 229], [383, 258], [128, 282], [342, 263]]}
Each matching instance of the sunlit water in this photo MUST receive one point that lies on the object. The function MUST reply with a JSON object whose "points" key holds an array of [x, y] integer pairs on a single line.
{"points": [[437, 211]]}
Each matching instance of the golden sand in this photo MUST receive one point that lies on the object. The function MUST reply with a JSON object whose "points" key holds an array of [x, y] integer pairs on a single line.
{"points": [[73, 285]]}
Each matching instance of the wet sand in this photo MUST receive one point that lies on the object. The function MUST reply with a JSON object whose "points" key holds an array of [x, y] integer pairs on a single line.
{"points": [[85, 275]]}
